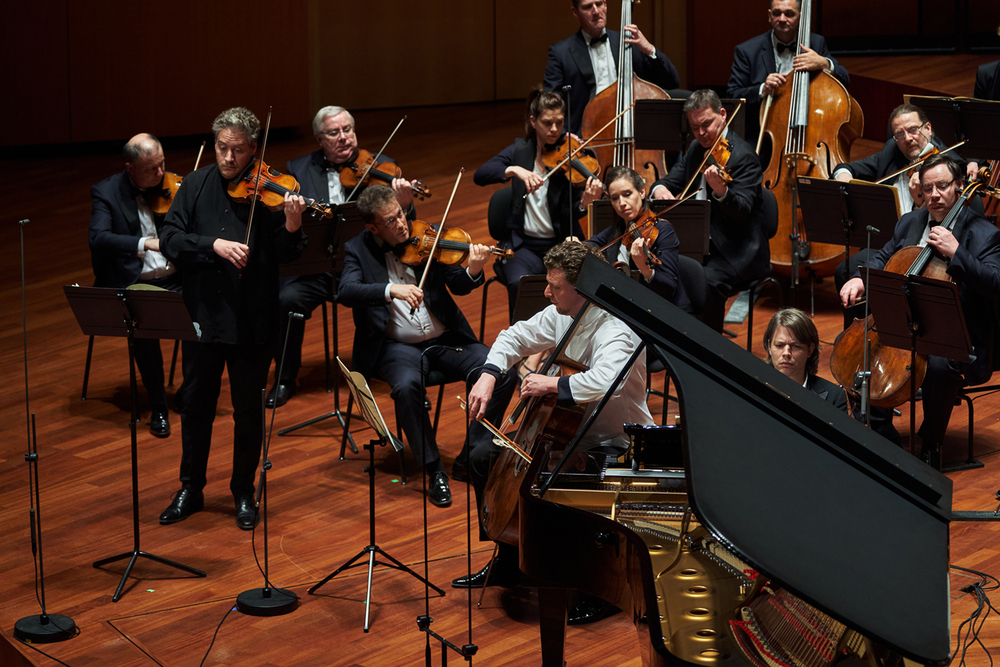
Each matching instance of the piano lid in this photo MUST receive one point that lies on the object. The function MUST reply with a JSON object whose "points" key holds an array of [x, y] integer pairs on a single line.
{"points": [[842, 517]]}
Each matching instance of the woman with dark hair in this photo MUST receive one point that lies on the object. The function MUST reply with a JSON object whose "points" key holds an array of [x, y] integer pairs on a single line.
{"points": [[551, 210], [627, 193]]}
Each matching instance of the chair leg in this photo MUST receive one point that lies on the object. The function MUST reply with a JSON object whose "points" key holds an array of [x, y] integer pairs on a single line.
{"points": [[173, 363], [402, 458], [86, 369], [752, 294], [326, 347]]}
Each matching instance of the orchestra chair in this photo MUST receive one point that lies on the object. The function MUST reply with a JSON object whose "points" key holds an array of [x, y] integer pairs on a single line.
{"points": [[497, 218], [692, 275], [966, 394], [90, 354]]}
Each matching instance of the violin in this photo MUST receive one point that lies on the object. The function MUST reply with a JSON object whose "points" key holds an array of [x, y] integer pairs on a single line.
{"points": [[160, 203], [719, 157], [269, 187], [452, 247], [643, 227], [579, 168], [357, 171]]}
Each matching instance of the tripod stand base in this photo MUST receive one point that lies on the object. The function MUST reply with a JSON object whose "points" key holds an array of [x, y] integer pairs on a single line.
{"points": [[45, 629], [955, 466], [267, 601]]}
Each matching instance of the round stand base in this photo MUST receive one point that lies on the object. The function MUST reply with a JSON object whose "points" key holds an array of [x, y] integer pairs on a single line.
{"points": [[45, 629], [267, 601]]}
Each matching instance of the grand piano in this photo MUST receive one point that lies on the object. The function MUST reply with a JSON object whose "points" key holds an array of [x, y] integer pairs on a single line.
{"points": [[792, 535]]}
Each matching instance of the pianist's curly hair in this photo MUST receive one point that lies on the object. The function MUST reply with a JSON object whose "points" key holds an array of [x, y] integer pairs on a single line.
{"points": [[568, 258], [801, 327]]}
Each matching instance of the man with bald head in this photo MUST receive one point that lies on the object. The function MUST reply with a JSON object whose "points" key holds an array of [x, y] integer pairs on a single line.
{"points": [[125, 249]]}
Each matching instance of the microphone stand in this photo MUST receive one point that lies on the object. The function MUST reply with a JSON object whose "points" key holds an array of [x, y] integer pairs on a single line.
{"points": [[42, 628], [862, 378]]}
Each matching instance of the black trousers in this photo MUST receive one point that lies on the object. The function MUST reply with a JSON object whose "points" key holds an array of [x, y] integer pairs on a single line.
{"points": [[203, 366], [301, 294], [721, 281]]}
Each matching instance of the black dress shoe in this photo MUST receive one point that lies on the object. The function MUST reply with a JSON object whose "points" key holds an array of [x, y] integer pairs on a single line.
{"points": [[459, 472], [186, 502], [589, 610], [159, 424], [439, 492], [279, 394], [501, 574], [931, 456], [246, 513]]}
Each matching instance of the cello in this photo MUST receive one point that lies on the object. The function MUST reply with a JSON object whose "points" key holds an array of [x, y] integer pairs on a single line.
{"points": [[617, 147], [812, 123]]}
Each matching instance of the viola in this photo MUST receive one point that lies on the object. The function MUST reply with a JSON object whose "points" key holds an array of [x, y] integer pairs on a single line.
{"points": [[365, 167], [579, 168], [160, 203], [719, 158], [270, 187], [452, 247]]}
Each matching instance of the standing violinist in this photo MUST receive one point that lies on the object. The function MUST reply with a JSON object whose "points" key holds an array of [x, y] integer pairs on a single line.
{"points": [[587, 60], [761, 65], [657, 259], [125, 249], [401, 331], [551, 211], [738, 249], [229, 269], [318, 175], [972, 251]]}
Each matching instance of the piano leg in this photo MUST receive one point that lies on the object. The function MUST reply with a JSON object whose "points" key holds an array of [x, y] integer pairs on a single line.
{"points": [[552, 605]]}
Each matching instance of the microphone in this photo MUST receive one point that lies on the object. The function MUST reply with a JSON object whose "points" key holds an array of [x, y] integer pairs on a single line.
{"points": [[296, 316], [566, 88]]}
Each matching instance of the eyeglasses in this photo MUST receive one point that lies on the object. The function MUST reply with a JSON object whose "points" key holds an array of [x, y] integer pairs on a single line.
{"points": [[333, 134], [931, 187], [394, 221], [907, 132]]}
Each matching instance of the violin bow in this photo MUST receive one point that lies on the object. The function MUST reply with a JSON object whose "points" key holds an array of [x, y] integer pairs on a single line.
{"points": [[653, 218], [256, 178], [197, 160], [583, 145], [709, 152], [913, 164], [374, 160], [437, 235]]}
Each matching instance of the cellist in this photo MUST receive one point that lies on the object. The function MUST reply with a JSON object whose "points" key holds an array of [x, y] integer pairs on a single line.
{"points": [[601, 343], [972, 250]]}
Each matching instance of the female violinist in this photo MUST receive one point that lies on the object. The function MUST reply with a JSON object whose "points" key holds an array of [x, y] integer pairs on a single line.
{"points": [[649, 246], [551, 212]]}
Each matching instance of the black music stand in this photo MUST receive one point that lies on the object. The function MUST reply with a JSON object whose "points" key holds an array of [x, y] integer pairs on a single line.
{"points": [[662, 124], [841, 213], [531, 297], [964, 119], [921, 315], [370, 412], [320, 258], [690, 220], [136, 312]]}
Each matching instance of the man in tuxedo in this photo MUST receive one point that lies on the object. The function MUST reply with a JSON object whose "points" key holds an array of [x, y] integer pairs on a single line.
{"points": [[402, 331], [125, 249], [318, 174], [762, 64], [792, 346], [988, 80], [972, 249], [738, 248], [587, 60]]}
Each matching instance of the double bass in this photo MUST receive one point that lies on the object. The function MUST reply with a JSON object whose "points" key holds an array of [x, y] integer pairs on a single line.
{"points": [[812, 123], [616, 146]]}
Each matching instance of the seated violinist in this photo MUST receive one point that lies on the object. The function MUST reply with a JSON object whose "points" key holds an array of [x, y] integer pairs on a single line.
{"points": [[125, 249], [402, 331], [738, 248], [972, 251], [318, 174], [602, 344], [653, 256], [552, 209]]}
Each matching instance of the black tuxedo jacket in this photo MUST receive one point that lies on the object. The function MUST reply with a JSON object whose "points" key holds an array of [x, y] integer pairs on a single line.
{"points": [[115, 232], [988, 81], [888, 160], [362, 288], [830, 392], [308, 171], [975, 267], [569, 63], [737, 222]]}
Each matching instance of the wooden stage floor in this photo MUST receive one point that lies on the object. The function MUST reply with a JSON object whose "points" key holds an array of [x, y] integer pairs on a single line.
{"points": [[318, 504]]}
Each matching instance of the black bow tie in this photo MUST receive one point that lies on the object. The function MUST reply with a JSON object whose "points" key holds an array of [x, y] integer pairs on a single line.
{"points": [[781, 48], [325, 166], [596, 41]]}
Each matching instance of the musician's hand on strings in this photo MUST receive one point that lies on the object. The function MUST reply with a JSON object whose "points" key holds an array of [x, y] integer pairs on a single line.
{"points": [[638, 253], [809, 61], [235, 252], [293, 206], [480, 395], [531, 180], [852, 290], [591, 193], [411, 294], [404, 192], [943, 241], [719, 186], [772, 83], [661, 192], [536, 384], [478, 254]]}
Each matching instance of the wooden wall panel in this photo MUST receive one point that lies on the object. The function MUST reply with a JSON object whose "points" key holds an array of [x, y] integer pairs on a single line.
{"points": [[880, 18], [174, 78], [524, 31], [33, 46], [714, 30]]}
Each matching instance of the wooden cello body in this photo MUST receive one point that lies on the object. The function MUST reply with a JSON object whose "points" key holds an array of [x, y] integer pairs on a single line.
{"points": [[812, 124]]}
